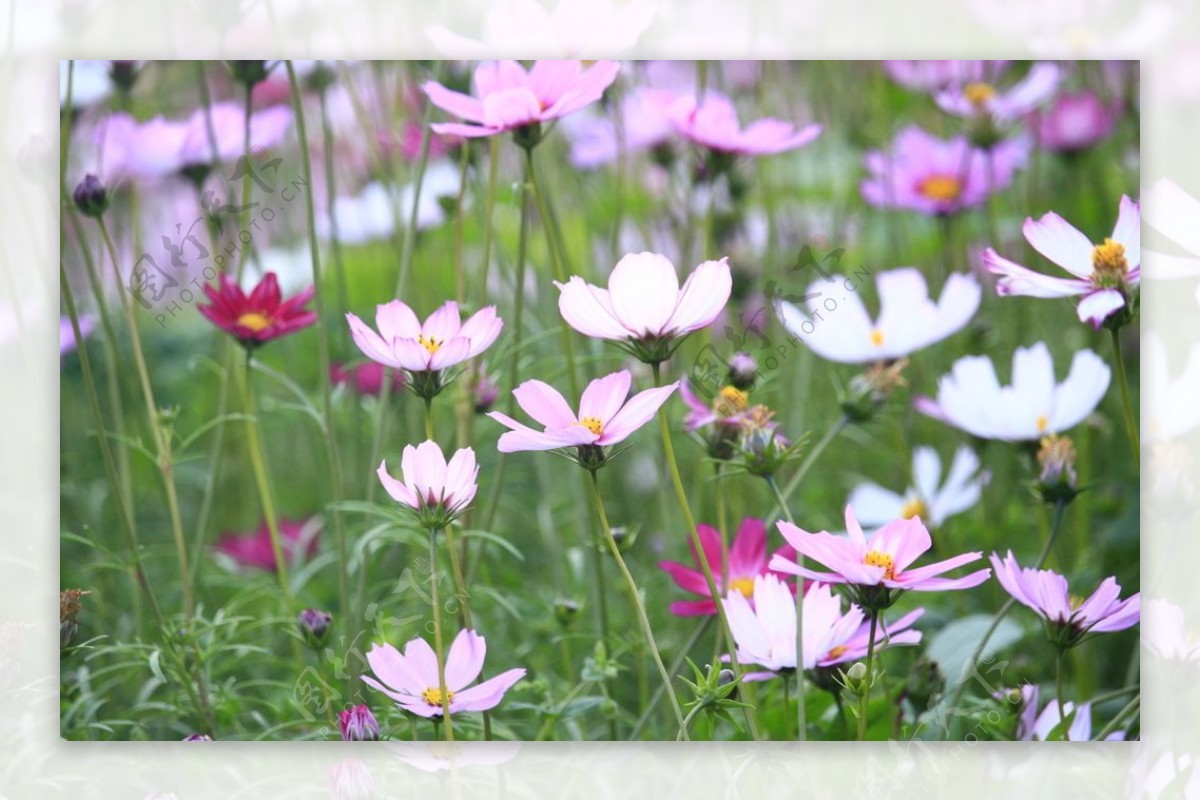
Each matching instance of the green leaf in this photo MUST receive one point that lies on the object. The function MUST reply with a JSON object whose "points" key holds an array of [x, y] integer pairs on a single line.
{"points": [[953, 646]]}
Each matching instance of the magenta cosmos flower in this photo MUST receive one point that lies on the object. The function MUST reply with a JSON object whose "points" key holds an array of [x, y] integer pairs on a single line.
{"points": [[254, 549], [713, 123], [605, 417], [425, 350], [1068, 619], [508, 97], [747, 560], [411, 678], [435, 491], [259, 317], [938, 176], [1072, 123], [978, 95], [644, 307], [1105, 274], [877, 568]]}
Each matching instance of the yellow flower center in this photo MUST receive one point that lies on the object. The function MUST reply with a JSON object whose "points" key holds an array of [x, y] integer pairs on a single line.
{"points": [[834, 653], [729, 401], [1043, 423], [877, 338], [979, 93], [914, 508], [254, 321], [1109, 265], [743, 585], [430, 343], [878, 559], [940, 187], [592, 424], [433, 696]]}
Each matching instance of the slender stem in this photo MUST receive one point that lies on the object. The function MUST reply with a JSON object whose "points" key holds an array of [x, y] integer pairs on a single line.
{"points": [[332, 455], [694, 533], [787, 513], [636, 599], [870, 678], [787, 703], [1126, 402], [439, 652], [429, 418], [695, 636], [1126, 712], [1058, 684], [245, 221], [807, 464], [687, 722]]}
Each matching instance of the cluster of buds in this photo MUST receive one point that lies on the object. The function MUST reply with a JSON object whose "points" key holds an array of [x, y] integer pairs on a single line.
{"points": [[762, 449], [870, 389]]}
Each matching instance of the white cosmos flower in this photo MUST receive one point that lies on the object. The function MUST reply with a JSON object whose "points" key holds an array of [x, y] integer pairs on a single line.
{"points": [[838, 327], [928, 499], [970, 396]]}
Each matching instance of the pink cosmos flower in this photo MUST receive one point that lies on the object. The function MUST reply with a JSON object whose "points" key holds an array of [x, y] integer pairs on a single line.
{"points": [[254, 549], [714, 124], [930, 75], [765, 632], [228, 121], [508, 97], [411, 678], [366, 378], [747, 560], [978, 96], [644, 124], [441, 342], [1105, 274], [436, 491], [1032, 726], [1046, 593], [605, 416], [644, 302], [1072, 123], [726, 408], [881, 561], [934, 176]]}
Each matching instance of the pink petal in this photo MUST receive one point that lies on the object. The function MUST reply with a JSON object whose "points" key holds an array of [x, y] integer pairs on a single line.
{"points": [[635, 414], [603, 398], [396, 320], [1128, 230], [1061, 243], [393, 669], [1018, 280], [1099, 306], [370, 343], [456, 103], [685, 577], [422, 660], [444, 324], [550, 79], [748, 554], [487, 694], [511, 108], [644, 289], [543, 403], [704, 295], [464, 661], [452, 352], [587, 309], [396, 489]]}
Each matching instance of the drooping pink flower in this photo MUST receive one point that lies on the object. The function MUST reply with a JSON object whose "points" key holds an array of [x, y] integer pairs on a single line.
{"points": [[254, 549], [508, 97], [1105, 274], [437, 491], [411, 678], [1047, 594], [978, 95], [605, 416], [365, 378], [713, 123], [441, 342], [934, 176], [883, 561], [644, 303], [747, 559], [1073, 122], [259, 317]]}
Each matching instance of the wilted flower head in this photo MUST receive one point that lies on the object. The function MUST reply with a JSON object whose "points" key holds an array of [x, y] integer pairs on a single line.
{"points": [[869, 390], [69, 608], [357, 724], [411, 678], [436, 492], [1057, 479], [1105, 274], [928, 498], [644, 306], [259, 317]]}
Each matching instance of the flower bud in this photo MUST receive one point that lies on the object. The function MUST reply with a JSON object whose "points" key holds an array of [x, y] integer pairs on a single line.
{"points": [[248, 72], [357, 724], [484, 389], [314, 625], [1057, 481], [857, 678], [123, 74], [870, 389], [91, 196], [197, 738], [565, 611], [742, 370]]}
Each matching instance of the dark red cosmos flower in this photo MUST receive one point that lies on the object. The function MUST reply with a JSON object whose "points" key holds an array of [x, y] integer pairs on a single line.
{"points": [[262, 316], [254, 550]]}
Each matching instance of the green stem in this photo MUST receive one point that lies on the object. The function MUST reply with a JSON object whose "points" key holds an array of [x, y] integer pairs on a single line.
{"points": [[1131, 427], [489, 207], [438, 648], [694, 533], [687, 722], [695, 636], [865, 698], [636, 600], [1126, 712], [807, 464], [1058, 684], [248, 171], [787, 513], [429, 419]]}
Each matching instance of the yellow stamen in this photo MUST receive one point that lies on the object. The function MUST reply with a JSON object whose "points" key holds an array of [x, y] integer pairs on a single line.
{"points": [[834, 653], [878, 559], [433, 696], [1043, 423], [940, 187], [979, 93], [254, 321], [743, 585], [914, 508], [430, 343], [729, 401], [592, 424], [1109, 265], [877, 338]]}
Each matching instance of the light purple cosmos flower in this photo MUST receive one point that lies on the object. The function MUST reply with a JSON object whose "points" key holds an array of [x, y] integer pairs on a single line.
{"points": [[442, 341], [714, 124], [1073, 122], [977, 95], [605, 416], [595, 140], [930, 75], [1032, 726], [882, 561], [435, 490], [939, 176], [411, 678], [508, 97], [1046, 593], [1105, 274]]}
